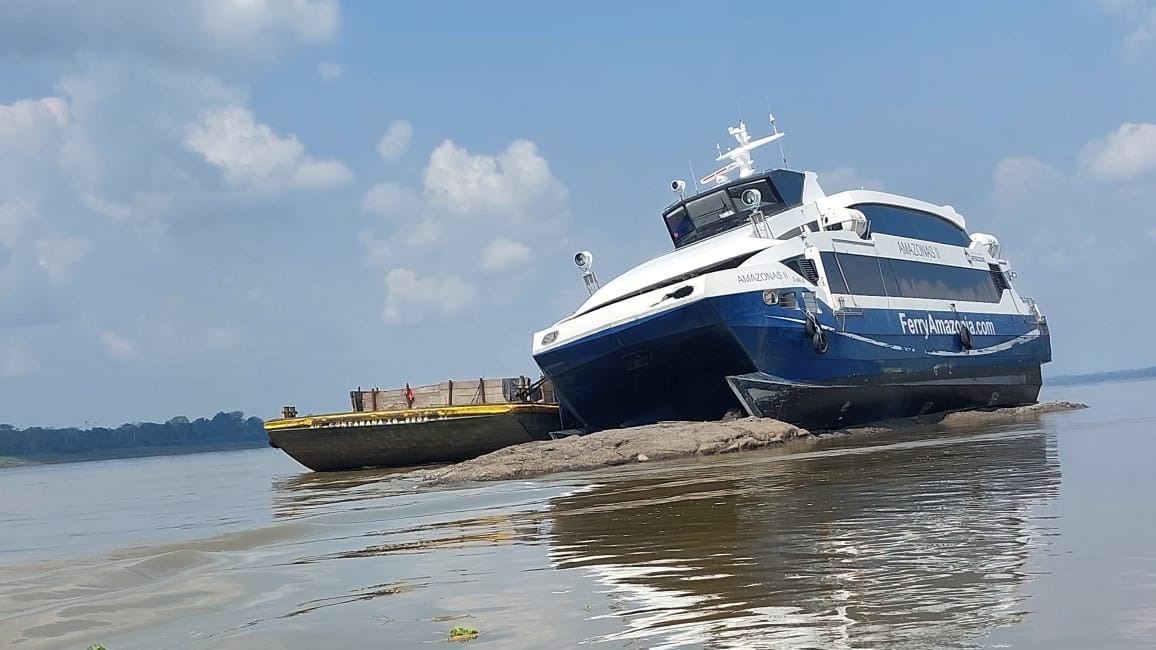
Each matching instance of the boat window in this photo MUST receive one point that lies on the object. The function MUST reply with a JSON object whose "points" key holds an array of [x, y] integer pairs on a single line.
{"points": [[700, 218], [789, 185], [718, 211], [862, 274], [925, 280], [679, 225], [881, 276], [835, 281], [905, 222]]}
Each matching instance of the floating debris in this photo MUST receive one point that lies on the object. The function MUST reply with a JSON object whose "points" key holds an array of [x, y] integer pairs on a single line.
{"points": [[463, 634]]}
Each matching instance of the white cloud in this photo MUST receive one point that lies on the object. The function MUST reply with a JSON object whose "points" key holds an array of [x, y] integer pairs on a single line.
{"points": [[515, 185], [473, 212], [409, 297], [1019, 180], [1140, 16], [117, 345], [236, 23], [847, 178], [16, 360], [138, 206], [174, 329], [226, 31], [253, 157], [1123, 155], [392, 200], [319, 174], [395, 142], [123, 154], [23, 120], [31, 135], [330, 71], [15, 215], [503, 253], [57, 254], [378, 251], [105, 209]]}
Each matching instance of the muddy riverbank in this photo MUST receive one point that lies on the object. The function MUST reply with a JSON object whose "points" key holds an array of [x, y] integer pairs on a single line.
{"points": [[668, 440]]}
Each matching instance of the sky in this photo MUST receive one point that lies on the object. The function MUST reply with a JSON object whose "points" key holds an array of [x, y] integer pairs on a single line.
{"points": [[213, 205]]}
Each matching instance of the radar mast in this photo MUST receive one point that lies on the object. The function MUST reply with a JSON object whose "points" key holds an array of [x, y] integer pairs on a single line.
{"points": [[740, 157]]}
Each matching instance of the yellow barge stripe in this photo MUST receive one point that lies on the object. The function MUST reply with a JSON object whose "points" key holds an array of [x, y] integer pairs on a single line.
{"points": [[439, 412]]}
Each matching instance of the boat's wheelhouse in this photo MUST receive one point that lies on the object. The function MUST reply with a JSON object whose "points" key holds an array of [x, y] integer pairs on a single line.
{"points": [[721, 208]]}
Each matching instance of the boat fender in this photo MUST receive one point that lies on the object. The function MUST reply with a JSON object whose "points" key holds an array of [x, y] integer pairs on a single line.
{"points": [[819, 341], [811, 326], [965, 337]]}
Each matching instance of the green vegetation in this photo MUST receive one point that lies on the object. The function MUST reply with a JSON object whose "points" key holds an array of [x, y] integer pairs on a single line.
{"points": [[1098, 377], [463, 634], [97, 646], [223, 431]]}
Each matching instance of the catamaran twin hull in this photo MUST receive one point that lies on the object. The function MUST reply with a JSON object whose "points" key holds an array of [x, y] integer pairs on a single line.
{"points": [[783, 301], [708, 355]]}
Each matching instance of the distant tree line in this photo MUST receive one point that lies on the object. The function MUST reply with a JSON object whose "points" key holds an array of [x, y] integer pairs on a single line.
{"points": [[230, 430], [1097, 377]]}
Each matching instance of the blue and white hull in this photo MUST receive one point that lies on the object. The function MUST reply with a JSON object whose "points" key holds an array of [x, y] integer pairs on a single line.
{"points": [[733, 352], [821, 310]]}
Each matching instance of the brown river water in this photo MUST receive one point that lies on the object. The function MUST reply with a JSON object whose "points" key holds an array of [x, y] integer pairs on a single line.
{"points": [[1038, 534]]}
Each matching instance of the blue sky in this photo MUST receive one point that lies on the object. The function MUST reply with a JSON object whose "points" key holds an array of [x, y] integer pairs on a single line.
{"points": [[238, 204]]}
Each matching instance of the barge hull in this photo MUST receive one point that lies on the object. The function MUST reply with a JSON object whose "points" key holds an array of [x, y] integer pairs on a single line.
{"points": [[367, 442]]}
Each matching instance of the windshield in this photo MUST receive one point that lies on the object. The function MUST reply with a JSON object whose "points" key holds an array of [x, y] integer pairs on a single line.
{"points": [[715, 212]]}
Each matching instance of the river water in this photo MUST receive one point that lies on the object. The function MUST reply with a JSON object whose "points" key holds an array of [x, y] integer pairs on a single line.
{"points": [[1039, 534]]}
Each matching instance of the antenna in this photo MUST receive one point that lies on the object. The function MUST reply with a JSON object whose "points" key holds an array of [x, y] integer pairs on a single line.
{"points": [[774, 128], [692, 176]]}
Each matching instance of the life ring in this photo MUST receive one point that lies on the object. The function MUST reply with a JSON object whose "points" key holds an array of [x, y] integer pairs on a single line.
{"points": [[819, 341], [965, 337]]}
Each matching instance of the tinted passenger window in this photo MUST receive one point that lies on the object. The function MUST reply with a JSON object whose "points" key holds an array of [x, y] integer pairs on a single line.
{"points": [[834, 276], [923, 280], [881, 276], [862, 274], [904, 222]]}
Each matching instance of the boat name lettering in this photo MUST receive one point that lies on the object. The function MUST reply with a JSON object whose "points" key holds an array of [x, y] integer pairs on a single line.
{"points": [[763, 276], [915, 249], [931, 325]]}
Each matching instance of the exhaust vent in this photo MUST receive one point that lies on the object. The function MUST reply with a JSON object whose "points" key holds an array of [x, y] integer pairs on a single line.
{"points": [[804, 267], [998, 278]]}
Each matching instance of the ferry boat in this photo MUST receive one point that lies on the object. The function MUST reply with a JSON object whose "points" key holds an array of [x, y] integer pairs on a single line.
{"points": [[782, 301]]}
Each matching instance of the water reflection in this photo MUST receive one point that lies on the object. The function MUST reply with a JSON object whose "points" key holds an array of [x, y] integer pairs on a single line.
{"points": [[917, 542], [311, 492]]}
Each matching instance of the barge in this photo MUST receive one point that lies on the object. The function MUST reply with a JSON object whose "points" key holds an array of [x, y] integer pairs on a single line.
{"points": [[440, 423]]}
